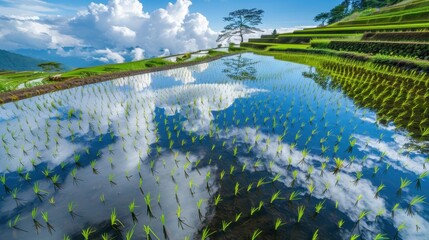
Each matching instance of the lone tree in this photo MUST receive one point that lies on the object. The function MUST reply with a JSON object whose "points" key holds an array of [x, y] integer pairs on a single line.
{"points": [[274, 32], [50, 66], [322, 17], [241, 22]]}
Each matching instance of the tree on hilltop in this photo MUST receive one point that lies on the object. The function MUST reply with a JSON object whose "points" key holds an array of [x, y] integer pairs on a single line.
{"points": [[50, 66], [241, 22], [322, 17]]}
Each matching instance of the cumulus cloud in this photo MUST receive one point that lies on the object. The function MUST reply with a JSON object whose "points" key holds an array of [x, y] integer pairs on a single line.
{"points": [[120, 27], [32, 7], [138, 54], [109, 55], [32, 32], [185, 75], [412, 163]]}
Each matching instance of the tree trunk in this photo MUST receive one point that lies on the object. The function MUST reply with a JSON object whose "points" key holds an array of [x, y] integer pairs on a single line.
{"points": [[241, 29]]}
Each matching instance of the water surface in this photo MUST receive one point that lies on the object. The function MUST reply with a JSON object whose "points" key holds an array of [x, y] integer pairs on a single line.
{"points": [[219, 146]]}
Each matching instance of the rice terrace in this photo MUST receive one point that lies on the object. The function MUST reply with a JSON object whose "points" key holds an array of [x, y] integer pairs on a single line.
{"points": [[124, 122]]}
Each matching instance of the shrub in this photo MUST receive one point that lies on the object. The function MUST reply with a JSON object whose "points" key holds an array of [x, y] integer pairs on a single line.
{"points": [[256, 46], [413, 50], [111, 69], [185, 56], [404, 64], [397, 36], [320, 43]]}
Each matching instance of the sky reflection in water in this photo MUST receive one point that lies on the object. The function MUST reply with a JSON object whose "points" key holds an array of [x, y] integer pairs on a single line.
{"points": [[170, 135]]}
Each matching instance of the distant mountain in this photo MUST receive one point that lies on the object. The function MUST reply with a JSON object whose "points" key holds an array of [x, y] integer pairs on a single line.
{"points": [[16, 62]]}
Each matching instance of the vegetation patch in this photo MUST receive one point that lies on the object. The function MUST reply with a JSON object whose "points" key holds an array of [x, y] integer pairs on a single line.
{"points": [[121, 67], [373, 84], [320, 43], [11, 80], [184, 57], [412, 50], [84, 76], [397, 36]]}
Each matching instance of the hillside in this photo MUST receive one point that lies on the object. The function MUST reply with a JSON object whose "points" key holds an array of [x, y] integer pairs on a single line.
{"points": [[399, 30], [16, 62]]}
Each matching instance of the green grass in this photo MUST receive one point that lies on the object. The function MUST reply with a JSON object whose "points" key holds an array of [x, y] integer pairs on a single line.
{"points": [[395, 13], [287, 35], [291, 38], [411, 12], [276, 47], [11, 80], [406, 12], [412, 17], [406, 16], [403, 7], [361, 29], [129, 66], [402, 12], [114, 68]]}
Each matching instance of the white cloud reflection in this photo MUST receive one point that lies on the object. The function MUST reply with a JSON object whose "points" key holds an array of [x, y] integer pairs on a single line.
{"points": [[96, 113], [344, 191]]}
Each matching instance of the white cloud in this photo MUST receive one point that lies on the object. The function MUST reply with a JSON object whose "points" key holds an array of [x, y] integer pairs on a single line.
{"points": [[138, 82], [115, 27], [345, 192], [32, 32], [202, 99], [124, 32], [185, 75], [411, 222], [110, 55], [118, 25], [138, 54], [392, 154], [25, 8]]}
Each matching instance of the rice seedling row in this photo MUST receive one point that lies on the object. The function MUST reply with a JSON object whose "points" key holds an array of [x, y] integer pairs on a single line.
{"points": [[244, 147]]}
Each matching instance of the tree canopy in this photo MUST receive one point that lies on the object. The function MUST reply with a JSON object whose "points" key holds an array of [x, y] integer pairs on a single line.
{"points": [[50, 66], [240, 23], [322, 17], [347, 7]]}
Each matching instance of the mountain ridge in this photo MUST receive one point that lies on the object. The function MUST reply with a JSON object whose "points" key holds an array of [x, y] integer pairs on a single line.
{"points": [[16, 62]]}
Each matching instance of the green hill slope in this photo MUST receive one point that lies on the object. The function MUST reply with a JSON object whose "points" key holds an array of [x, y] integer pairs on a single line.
{"points": [[16, 62], [399, 30]]}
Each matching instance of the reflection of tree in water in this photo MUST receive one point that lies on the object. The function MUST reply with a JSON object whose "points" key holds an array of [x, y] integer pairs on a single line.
{"points": [[319, 77], [240, 68]]}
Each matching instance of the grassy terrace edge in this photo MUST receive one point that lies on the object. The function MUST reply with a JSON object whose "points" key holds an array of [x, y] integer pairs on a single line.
{"points": [[398, 62], [21, 94], [414, 75]]}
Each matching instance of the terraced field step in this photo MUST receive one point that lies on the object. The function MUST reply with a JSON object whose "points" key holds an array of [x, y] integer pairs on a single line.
{"points": [[273, 46], [404, 13], [397, 36], [301, 38], [421, 16], [403, 7], [408, 49], [363, 29]]}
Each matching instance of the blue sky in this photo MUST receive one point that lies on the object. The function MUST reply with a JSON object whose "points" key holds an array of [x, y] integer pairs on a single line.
{"points": [[123, 30], [278, 13]]}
